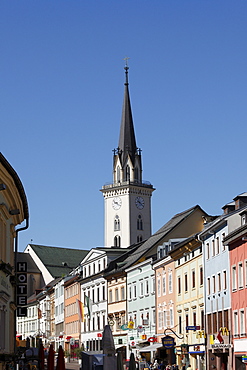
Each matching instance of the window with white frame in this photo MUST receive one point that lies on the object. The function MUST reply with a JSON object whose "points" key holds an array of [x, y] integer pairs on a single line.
{"points": [[116, 295], [213, 284], [179, 285], [193, 279], [224, 280], [110, 296], [122, 293], [242, 322], [134, 291], [160, 319], [158, 287], [235, 323], [208, 250], [164, 284], [147, 286], [213, 248], [234, 278], [240, 275], [170, 282], [141, 289], [217, 245], [219, 281], [153, 284], [130, 295], [154, 316], [165, 318], [171, 318], [222, 238], [208, 286]]}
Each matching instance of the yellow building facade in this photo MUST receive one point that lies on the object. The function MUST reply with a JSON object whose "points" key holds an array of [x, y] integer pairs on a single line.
{"points": [[13, 211]]}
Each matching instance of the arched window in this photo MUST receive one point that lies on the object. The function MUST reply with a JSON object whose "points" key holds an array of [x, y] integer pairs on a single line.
{"points": [[139, 223], [117, 241], [127, 173], [118, 174], [117, 223], [139, 238]]}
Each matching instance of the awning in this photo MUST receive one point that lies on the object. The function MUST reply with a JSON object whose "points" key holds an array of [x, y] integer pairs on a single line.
{"points": [[196, 352], [151, 348]]}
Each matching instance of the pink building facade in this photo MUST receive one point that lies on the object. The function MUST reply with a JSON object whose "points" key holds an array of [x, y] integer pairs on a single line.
{"points": [[237, 242]]}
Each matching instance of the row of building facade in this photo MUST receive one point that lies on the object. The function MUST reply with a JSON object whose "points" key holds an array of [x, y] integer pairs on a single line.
{"points": [[187, 281], [178, 295]]}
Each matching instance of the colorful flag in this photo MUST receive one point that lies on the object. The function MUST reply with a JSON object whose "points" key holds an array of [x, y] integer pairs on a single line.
{"points": [[89, 304], [80, 310], [39, 313]]}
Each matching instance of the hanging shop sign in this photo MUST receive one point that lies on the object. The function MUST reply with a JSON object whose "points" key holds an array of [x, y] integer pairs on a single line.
{"points": [[152, 339], [131, 325], [168, 341], [124, 327]]}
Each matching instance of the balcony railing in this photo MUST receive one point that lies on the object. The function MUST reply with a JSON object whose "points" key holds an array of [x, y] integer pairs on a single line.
{"points": [[143, 183]]}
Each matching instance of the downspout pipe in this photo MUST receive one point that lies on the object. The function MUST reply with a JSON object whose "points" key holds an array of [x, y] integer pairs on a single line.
{"points": [[15, 286]]}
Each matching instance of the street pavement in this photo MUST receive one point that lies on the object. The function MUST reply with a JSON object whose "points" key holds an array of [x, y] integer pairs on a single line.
{"points": [[72, 365]]}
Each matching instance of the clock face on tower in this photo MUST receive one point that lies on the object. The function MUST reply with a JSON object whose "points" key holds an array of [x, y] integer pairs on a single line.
{"points": [[116, 203], [139, 201]]}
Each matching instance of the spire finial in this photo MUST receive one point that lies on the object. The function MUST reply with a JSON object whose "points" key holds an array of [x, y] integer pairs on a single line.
{"points": [[126, 69]]}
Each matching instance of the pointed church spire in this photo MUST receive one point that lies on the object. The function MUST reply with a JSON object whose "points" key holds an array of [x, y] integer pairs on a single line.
{"points": [[127, 141]]}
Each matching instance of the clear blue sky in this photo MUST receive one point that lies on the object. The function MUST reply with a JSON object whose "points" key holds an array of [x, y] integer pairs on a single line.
{"points": [[61, 86]]}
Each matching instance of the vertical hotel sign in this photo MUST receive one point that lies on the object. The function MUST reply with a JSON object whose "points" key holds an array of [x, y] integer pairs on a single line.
{"points": [[21, 296]]}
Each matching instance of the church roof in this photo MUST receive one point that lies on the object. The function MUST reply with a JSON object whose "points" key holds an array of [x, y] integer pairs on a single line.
{"points": [[127, 141]]}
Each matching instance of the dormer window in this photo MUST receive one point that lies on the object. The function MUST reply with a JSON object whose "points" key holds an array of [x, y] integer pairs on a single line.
{"points": [[244, 219]]}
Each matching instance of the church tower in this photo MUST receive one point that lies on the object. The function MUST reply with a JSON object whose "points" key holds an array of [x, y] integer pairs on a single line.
{"points": [[127, 200]]}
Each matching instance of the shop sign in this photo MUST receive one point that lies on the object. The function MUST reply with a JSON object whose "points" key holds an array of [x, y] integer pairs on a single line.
{"points": [[132, 338], [194, 327], [99, 335], [72, 341], [244, 359], [168, 341], [21, 289], [221, 346], [124, 327], [131, 325], [152, 339]]}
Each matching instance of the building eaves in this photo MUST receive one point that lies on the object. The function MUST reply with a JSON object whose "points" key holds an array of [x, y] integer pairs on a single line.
{"points": [[236, 234], [187, 245], [17, 182]]}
